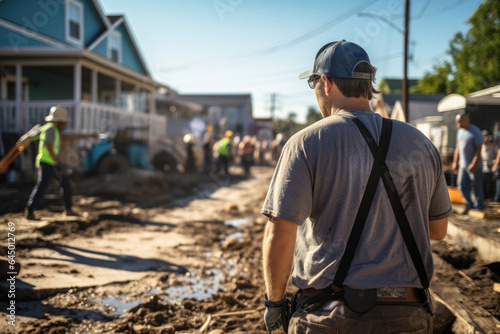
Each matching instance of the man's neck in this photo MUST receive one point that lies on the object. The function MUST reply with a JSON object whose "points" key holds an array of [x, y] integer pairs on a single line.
{"points": [[352, 104]]}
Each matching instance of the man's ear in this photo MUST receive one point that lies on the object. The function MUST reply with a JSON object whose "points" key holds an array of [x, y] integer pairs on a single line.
{"points": [[326, 84]]}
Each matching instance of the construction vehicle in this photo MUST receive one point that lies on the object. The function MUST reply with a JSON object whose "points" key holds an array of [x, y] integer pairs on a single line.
{"points": [[129, 148]]}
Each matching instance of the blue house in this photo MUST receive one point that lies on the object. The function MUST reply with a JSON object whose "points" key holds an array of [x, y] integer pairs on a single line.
{"points": [[69, 53]]}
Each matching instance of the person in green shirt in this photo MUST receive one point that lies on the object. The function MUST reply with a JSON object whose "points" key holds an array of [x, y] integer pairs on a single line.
{"points": [[225, 151]]}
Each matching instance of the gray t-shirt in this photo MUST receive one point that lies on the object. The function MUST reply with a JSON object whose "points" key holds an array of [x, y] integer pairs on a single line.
{"points": [[468, 140], [319, 182]]}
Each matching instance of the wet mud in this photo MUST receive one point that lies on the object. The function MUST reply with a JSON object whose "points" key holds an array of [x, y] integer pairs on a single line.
{"points": [[220, 287]]}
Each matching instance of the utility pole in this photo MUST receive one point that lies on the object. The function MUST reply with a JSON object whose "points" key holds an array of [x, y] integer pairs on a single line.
{"points": [[405, 66], [272, 107]]}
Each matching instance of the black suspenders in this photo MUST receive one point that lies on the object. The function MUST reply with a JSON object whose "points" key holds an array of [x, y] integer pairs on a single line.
{"points": [[379, 170]]}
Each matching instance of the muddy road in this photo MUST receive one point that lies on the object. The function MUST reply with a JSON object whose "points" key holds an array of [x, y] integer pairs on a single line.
{"points": [[162, 254]]}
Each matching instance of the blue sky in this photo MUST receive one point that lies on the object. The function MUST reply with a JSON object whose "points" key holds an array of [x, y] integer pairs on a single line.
{"points": [[260, 47]]}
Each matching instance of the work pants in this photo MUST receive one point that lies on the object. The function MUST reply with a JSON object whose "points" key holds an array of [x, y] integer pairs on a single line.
{"points": [[46, 174], [488, 186], [465, 178], [496, 198], [336, 317], [224, 163]]}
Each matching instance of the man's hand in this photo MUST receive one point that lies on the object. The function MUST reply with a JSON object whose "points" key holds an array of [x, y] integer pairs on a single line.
{"points": [[274, 313], [472, 167], [272, 318]]}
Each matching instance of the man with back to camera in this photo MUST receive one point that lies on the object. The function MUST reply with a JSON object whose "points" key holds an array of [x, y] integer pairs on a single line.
{"points": [[467, 162], [332, 206]]}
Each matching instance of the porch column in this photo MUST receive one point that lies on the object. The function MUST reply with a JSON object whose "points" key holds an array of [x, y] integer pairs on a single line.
{"points": [[118, 93], [19, 113], [77, 95], [152, 103], [94, 86]]}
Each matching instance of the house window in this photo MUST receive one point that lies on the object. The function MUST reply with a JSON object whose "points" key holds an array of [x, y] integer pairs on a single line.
{"points": [[74, 22], [8, 91], [115, 46]]}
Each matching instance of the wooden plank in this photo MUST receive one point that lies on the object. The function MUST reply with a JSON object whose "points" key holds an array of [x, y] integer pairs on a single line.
{"points": [[451, 296], [477, 213]]}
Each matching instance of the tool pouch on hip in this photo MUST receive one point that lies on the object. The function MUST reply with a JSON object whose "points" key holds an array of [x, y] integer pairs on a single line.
{"points": [[359, 300], [285, 314], [428, 305]]}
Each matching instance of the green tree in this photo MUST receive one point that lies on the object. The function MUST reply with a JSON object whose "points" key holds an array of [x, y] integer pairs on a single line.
{"points": [[437, 82], [475, 57], [288, 126], [313, 116]]}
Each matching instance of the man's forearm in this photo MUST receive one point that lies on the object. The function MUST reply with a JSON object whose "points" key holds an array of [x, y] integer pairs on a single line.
{"points": [[278, 250], [497, 162], [475, 160], [455, 158]]}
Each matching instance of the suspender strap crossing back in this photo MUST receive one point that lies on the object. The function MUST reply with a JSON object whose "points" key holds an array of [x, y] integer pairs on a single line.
{"points": [[379, 170]]}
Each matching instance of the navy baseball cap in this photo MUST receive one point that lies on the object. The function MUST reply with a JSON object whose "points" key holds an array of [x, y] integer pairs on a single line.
{"points": [[338, 60]]}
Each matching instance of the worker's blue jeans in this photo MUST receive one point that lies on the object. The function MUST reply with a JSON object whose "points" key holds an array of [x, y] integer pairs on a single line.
{"points": [[46, 173], [336, 317], [465, 178], [496, 198]]}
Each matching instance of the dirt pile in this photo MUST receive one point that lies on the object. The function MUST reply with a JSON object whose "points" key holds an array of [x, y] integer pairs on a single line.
{"points": [[473, 277]]}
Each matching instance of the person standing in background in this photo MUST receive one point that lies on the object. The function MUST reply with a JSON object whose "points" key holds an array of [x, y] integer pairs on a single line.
{"points": [[488, 155], [48, 163], [225, 151], [467, 162]]}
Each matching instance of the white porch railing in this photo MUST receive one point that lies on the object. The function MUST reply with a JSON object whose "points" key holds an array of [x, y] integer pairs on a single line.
{"points": [[95, 119], [19, 120], [88, 119]]}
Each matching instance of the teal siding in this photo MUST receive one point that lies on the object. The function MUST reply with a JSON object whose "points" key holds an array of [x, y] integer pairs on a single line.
{"points": [[45, 17], [47, 86], [130, 58], [48, 17], [102, 48], [93, 26], [15, 40]]}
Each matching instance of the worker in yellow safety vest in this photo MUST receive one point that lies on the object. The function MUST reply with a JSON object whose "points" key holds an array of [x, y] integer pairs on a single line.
{"points": [[48, 164], [224, 151]]}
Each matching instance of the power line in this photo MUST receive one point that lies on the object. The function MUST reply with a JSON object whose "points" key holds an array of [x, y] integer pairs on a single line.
{"points": [[386, 58], [238, 58], [453, 6], [422, 11], [380, 17], [304, 37]]}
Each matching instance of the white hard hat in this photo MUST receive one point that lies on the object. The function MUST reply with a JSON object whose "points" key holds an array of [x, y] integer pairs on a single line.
{"points": [[57, 114]]}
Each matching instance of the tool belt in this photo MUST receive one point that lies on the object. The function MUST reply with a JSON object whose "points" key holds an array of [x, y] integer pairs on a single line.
{"points": [[383, 295], [362, 300]]}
